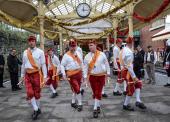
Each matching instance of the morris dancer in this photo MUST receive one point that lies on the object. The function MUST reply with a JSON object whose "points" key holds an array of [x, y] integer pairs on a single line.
{"points": [[72, 63], [53, 66], [133, 83], [34, 73], [96, 69]]}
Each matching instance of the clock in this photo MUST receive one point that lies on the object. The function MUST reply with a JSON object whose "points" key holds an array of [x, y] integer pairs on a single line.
{"points": [[83, 10]]}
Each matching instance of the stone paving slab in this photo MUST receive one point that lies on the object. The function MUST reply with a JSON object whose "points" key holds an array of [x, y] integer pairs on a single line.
{"points": [[14, 107]]}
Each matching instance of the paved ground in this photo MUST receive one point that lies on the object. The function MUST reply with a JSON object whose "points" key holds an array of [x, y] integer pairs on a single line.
{"points": [[14, 108]]}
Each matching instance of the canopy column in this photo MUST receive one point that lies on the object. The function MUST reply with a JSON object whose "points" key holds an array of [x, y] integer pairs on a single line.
{"points": [[61, 41], [41, 21], [130, 9], [115, 25], [107, 43]]}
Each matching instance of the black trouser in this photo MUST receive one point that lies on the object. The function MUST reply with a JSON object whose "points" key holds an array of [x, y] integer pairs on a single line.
{"points": [[1, 78], [168, 72], [14, 80], [138, 72]]}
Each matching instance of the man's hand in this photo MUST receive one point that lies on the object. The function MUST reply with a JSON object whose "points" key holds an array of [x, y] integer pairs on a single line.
{"points": [[22, 79], [135, 79], [46, 79]]}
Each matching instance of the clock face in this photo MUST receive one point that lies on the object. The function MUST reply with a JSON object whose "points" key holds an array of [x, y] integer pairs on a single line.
{"points": [[83, 10]]}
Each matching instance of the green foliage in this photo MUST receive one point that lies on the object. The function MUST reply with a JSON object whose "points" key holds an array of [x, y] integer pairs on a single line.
{"points": [[9, 32]]}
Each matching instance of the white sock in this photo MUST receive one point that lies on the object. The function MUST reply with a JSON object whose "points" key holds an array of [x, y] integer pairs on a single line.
{"points": [[137, 93], [73, 100], [95, 104], [103, 90], [79, 99], [34, 104], [117, 88], [124, 85], [38, 103], [127, 100], [52, 88], [98, 103]]}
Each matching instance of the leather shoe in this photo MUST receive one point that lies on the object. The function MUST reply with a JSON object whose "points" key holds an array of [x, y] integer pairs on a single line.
{"points": [[140, 105], [74, 105], [104, 95], [98, 110], [95, 114], [128, 108], [79, 108], [117, 93]]}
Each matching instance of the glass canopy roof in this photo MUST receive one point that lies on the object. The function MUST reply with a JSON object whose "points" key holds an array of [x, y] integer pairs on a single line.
{"points": [[65, 7]]}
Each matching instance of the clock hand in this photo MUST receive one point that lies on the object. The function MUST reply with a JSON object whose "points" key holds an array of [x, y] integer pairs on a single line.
{"points": [[86, 10], [83, 8]]}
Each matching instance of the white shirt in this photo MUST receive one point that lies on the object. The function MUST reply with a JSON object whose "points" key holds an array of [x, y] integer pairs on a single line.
{"points": [[55, 62], [79, 50], [39, 58], [68, 63], [149, 55], [116, 51], [101, 64], [127, 57]]}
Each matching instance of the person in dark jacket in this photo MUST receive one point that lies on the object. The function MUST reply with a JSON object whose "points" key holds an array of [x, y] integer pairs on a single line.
{"points": [[2, 63], [142, 52], [166, 63], [138, 63], [13, 62]]}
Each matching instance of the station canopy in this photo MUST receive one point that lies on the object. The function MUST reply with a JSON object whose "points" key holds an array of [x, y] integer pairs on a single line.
{"points": [[61, 15]]}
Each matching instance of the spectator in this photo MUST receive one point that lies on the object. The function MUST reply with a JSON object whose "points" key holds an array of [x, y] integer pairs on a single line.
{"points": [[2, 63], [107, 53], [138, 63], [166, 63], [150, 60], [142, 52], [13, 62]]}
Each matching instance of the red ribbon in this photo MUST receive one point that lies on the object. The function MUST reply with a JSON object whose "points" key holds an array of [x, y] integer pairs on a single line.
{"points": [[122, 33], [153, 15]]}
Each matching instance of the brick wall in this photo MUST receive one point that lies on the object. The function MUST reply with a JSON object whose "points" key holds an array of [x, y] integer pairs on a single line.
{"points": [[146, 38]]}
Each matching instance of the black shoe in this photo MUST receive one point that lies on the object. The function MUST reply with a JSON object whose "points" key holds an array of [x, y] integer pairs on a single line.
{"points": [[128, 108], [104, 95], [124, 93], [95, 114], [167, 85], [140, 105], [117, 93], [14, 89], [74, 105], [35, 114], [98, 110], [39, 111], [54, 95], [18, 88], [82, 92], [2, 87], [79, 108]]}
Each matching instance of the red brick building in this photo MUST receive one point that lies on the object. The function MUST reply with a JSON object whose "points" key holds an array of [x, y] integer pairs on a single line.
{"points": [[147, 32]]}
